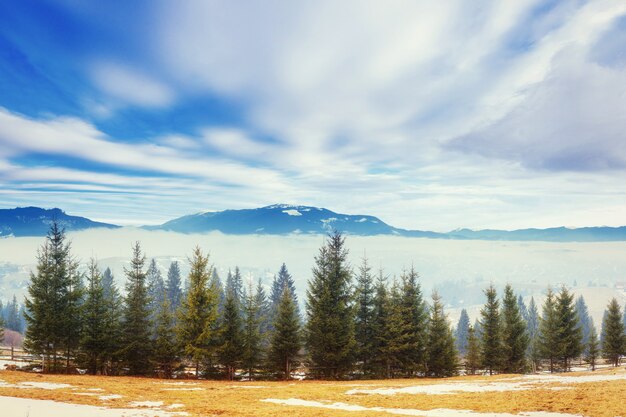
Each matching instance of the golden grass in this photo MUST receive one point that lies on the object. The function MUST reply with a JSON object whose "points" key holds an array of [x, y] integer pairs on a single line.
{"points": [[222, 398]]}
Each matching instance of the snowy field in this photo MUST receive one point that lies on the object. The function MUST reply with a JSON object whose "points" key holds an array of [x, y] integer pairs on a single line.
{"points": [[546, 395]]}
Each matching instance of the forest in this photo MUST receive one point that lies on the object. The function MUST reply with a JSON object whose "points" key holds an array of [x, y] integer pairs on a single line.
{"points": [[355, 324]]}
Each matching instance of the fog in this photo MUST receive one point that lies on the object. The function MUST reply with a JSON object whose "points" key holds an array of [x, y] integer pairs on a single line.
{"points": [[459, 269]]}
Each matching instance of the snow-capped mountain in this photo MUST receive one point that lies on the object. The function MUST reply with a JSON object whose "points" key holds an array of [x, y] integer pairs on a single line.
{"points": [[35, 221], [279, 219]]}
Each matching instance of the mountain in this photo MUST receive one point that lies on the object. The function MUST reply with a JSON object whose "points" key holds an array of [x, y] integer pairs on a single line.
{"points": [[279, 219], [35, 221], [553, 234]]}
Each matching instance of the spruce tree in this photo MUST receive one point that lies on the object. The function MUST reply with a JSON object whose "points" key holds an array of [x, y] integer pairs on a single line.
{"points": [[441, 353], [330, 327], [94, 337], [281, 281], [230, 336], [252, 354], [461, 333], [491, 346], [584, 320], [380, 317], [166, 350], [264, 313], [415, 314], [197, 316], [364, 326], [514, 337], [112, 323], [13, 321], [532, 329], [53, 302], [136, 346], [234, 284], [156, 290], [614, 340], [285, 339], [569, 333], [548, 339], [396, 334], [472, 355], [592, 351], [1, 329], [173, 286], [523, 310]]}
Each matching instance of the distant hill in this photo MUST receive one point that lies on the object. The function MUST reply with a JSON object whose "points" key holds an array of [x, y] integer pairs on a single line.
{"points": [[280, 219], [553, 234], [35, 221]]}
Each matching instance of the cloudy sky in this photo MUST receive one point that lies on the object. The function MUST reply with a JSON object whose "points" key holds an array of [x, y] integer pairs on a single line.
{"points": [[430, 115]]}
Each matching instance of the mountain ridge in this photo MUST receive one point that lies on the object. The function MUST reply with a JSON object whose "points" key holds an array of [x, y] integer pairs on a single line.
{"points": [[282, 219]]}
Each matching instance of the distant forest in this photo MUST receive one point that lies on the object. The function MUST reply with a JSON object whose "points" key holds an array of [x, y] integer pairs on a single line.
{"points": [[355, 324]]}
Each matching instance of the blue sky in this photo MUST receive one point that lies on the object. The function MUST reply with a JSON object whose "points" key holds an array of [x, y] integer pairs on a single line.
{"points": [[503, 114]]}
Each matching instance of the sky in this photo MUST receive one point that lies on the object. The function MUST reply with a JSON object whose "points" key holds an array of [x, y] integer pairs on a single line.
{"points": [[430, 115]]}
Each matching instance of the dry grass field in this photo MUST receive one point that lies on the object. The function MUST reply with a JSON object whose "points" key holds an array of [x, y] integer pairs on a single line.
{"points": [[601, 393]]}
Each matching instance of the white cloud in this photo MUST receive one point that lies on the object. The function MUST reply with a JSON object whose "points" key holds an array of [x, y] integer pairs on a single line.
{"points": [[130, 85]]}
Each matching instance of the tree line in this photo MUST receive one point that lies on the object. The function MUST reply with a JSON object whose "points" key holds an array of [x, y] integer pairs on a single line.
{"points": [[358, 325]]}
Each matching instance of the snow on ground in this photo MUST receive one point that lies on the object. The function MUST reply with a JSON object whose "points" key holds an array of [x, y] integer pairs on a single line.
{"points": [[110, 397], [524, 382], [20, 407], [31, 385], [150, 404], [292, 212], [438, 412], [184, 389]]}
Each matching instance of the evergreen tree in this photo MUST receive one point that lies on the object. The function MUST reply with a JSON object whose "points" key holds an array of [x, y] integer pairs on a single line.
{"points": [[472, 355], [461, 333], [108, 283], [548, 338], [2, 325], [285, 340], [491, 346], [93, 341], [614, 340], [54, 301], [234, 284], [584, 320], [166, 350], [136, 346], [441, 354], [173, 286], [112, 323], [415, 328], [514, 337], [523, 310], [380, 319], [532, 329], [569, 334], [592, 351], [281, 281], [198, 314], [265, 324], [215, 284], [364, 326], [156, 290], [231, 337], [252, 354], [396, 334], [330, 327], [13, 321]]}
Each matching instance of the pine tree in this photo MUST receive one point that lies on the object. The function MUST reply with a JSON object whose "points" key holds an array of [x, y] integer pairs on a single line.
{"points": [[442, 355], [234, 284], [282, 280], [265, 324], [330, 327], [523, 310], [156, 290], [415, 315], [461, 333], [197, 316], [592, 351], [614, 340], [215, 284], [93, 341], [491, 332], [112, 323], [54, 300], [584, 320], [532, 328], [166, 350], [285, 340], [2, 325], [472, 355], [569, 334], [173, 286], [548, 339], [395, 333], [380, 318], [13, 321], [136, 346], [252, 354], [108, 283], [514, 337], [364, 326], [231, 337]]}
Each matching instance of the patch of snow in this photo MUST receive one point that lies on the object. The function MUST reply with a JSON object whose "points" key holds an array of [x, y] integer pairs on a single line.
{"points": [[361, 220], [292, 212], [179, 383], [184, 389], [12, 406], [42, 385], [110, 397], [437, 412], [175, 406], [247, 386], [94, 389], [444, 389]]}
